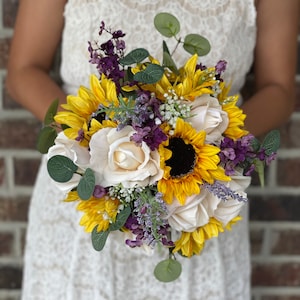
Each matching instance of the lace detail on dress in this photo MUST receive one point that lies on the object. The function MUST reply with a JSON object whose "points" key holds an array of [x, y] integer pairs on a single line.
{"points": [[60, 263]]}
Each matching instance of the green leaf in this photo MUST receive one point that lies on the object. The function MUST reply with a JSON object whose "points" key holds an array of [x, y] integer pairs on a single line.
{"points": [[121, 219], [61, 168], [150, 75], [168, 60], [51, 112], [167, 270], [166, 24], [86, 185], [99, 238], [46, 138], [255, 143], [195, 43], [134, 57], [260, 169], [271, 142]]}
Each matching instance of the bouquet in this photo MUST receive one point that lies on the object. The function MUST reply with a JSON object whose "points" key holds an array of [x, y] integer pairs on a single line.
{"points": [[154, 150]]}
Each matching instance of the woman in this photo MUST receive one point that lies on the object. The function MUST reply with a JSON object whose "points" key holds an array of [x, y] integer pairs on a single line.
{"points": [[59, 261]]}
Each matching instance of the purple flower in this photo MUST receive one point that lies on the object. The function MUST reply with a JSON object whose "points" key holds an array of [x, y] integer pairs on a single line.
{"points": [[99, 191], [221, 67]]}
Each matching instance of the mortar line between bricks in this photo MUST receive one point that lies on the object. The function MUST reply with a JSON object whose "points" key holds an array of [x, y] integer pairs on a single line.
{"points": [[265, 249], [9, 173], [278, 291], [274, 191], [278, 225], [275, 259], [22, 153]]}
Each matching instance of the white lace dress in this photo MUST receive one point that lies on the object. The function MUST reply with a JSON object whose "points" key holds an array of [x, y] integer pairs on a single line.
{"points": [[60, 263]]}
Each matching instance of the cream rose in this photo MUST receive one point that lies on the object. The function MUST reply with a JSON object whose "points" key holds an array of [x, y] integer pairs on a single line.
{"points": [[227, 210], [71, 149], [116, 159], [207, 114], [194, 213], [199, 208]]}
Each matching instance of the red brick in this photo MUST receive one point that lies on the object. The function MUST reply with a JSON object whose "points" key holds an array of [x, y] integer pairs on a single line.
{"points": [[6, 243], [9, 12], [8, 102], [274, 208], [2, 171], [290, 134], [10, 277], [285, 274], [286, 242], [280, 297], [19, 134], [289, 174], [256, 240], [14, 209], [4, 50], [26, 171]]}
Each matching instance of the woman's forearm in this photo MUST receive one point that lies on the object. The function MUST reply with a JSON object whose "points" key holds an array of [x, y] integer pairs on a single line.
{"points": [[40, 89], [268, 108]]}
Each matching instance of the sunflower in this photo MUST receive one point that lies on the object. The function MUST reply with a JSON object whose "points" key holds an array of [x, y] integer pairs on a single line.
{"points": [[190, 163], [189, 83], [79, 110], [100, 212], [235, 129], [191, 243]]}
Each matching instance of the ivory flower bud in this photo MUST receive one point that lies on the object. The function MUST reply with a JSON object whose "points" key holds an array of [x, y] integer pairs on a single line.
{"points": [[207, 115]]}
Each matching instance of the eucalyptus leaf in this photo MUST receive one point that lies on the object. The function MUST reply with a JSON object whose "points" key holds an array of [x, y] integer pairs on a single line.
{"points": [[271, 142], [51, 112], [167, 270], [121, 219], [46, 138], [134, 57], [167, 24], [61, 168], [150, 75], [196, 44], [86, 185], [99, 238]]}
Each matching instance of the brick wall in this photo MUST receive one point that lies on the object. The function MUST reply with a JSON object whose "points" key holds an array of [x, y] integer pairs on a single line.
{"points": [[274, 210]]}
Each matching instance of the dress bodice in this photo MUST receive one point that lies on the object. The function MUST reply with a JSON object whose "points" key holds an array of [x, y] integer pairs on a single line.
{"points": [[229, 25]]}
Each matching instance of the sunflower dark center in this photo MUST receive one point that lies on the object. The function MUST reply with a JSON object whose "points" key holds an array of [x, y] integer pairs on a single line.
{"points": [[183, 157]]}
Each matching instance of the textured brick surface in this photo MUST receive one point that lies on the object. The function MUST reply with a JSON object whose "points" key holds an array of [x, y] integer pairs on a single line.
{"points": [[9, 12], [10, 277], [285, 242], [25, 171], [284, 274], [4, 48], [275, 208], [19, 134], [6, 243], [14, 209], [280, 298]]}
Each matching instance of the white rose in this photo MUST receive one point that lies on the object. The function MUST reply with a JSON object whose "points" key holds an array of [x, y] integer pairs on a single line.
{"points": [[116, 159], [71, 149], [207, 114], [227, 210], [194, 213], [199, 208]]}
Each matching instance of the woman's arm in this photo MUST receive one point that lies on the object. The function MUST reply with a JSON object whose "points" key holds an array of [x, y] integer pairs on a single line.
{"points": [[275, 66], [37, 35]]}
